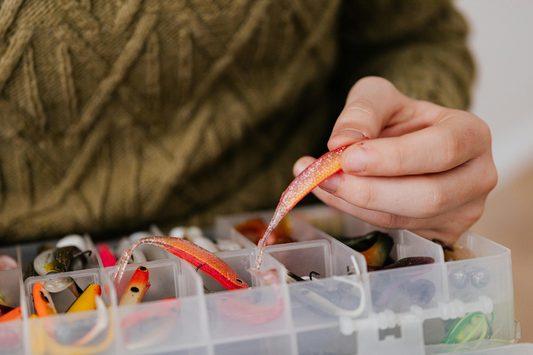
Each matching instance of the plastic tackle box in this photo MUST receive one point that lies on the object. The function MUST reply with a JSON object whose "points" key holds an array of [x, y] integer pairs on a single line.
{"points": [[399, 321], [343, 310]]}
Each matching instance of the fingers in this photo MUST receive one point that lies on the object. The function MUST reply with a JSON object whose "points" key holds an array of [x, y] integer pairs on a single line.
{"points": [[410, 164], [457, 138], [421, 196], [371, 102], [421, 137], [447, 227]]}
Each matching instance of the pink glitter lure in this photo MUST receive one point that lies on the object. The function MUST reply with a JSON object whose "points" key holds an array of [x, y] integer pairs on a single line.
{"points": [[192, 253], [311, 177]]}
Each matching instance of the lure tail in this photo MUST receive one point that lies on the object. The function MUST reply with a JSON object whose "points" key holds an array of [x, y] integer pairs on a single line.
{"points": [[311, 177], [124, 259], [108, 259]]}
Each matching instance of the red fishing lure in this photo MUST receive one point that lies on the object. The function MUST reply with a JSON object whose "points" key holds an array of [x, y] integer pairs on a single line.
{"points": [[192, 253]]}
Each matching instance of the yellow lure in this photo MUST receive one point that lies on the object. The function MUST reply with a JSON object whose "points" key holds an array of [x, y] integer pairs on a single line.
{"points": [[87, 300]]}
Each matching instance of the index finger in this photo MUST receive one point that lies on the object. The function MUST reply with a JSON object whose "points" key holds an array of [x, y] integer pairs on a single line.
{"points": [[449, 143], [371, 103]]}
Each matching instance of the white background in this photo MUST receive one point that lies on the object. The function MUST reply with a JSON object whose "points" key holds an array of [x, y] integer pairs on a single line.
{"points": [[501, 37]]}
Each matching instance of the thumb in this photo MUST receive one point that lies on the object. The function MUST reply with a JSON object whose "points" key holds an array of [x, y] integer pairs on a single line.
{"points": [[301, 164]]}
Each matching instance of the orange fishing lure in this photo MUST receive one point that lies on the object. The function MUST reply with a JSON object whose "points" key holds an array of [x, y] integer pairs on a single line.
{"points": [[192, 253], [42, 301], [14, 314], [311, 177]]}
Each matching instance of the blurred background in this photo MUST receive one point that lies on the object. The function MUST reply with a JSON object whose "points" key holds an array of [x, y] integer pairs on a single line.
{"points": [[501, 38]]}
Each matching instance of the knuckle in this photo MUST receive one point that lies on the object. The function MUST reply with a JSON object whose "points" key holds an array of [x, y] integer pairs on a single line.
{"points": [[360, 109], [491, 178], [475, 139], [364, 196], [388, 220], [477, 135], [399, 167], [327, 198], [436, 202], [475, 214], [455, 149], [469, 216], [485, 133]]}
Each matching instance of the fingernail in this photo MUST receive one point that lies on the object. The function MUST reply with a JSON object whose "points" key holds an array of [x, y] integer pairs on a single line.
{"points": [[331, 184], [356, 160], [351, 133]]}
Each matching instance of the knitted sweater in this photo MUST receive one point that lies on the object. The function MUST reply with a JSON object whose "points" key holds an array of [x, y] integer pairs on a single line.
{"points": [[119, 113]]}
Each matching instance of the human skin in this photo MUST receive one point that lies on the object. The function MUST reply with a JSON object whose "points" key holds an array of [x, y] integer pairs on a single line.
{"points": [[410, 164]]}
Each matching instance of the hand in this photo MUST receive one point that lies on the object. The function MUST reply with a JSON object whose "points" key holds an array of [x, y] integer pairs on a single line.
{"points": [[424, 167]]}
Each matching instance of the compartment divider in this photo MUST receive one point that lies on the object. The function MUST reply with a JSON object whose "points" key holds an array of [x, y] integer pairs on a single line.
{"points": [[24, 307]]}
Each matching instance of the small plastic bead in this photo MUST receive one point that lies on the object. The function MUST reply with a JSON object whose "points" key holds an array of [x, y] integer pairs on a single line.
{"points": [[459, 278], [480, 277]]}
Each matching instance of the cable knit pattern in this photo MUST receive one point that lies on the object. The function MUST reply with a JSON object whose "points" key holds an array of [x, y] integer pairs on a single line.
{"points": [[118, 113]]}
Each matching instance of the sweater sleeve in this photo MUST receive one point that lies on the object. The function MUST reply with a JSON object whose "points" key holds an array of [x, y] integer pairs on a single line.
{"points": [[419, 45]]}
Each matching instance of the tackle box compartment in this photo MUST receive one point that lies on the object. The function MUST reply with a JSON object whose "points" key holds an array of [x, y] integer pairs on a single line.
{"points": [[343, 310]]}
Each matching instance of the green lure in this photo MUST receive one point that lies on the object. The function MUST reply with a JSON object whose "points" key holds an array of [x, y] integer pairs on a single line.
{"points": [[473, 326]]}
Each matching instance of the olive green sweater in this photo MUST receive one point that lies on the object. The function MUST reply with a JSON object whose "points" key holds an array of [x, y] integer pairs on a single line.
{"points": [[118, 113]]}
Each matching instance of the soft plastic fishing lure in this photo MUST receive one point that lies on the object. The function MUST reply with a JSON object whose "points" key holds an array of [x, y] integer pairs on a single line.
{"points": [[152, 325], [314, 296], [43, 342], [472, 326], [7, 263], [107, 257], [241, 311], [42, 301], [14, 314], [192, 253], [311, 177], [136, 288]]}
